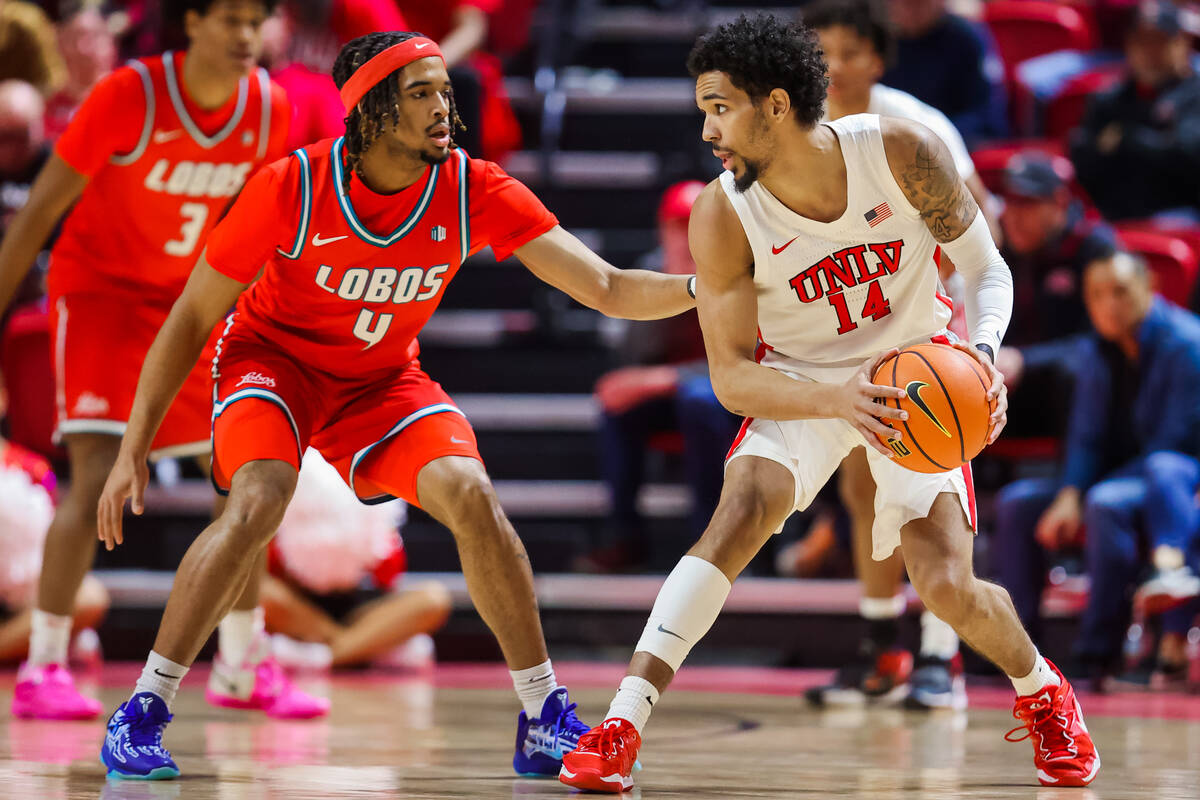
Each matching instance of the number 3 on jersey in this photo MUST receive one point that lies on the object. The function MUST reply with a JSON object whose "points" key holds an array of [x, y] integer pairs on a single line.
{"points": [[194, 217], [876, 307]]}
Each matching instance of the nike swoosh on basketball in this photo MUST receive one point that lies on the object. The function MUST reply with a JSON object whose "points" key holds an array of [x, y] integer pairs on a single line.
{"points": [[166, 136], [777, 250], [661, 629], [319, 242], [913, 389]]}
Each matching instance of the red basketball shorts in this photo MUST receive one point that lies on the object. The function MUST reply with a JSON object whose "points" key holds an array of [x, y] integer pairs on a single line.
{"points": [[271, 407], [99, 344]]}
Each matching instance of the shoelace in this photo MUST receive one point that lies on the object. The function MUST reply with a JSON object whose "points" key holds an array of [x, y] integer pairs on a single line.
{"points": [[1036, 714], [607, 742], [568, 721], [145, 732]]}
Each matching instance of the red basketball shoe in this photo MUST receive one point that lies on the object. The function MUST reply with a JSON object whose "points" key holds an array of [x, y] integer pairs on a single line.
{"points": [[604, 758], [1063, 751]]}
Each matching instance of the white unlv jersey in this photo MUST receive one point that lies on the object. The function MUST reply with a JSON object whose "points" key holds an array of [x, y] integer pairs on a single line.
{"points": [[833, 294]]}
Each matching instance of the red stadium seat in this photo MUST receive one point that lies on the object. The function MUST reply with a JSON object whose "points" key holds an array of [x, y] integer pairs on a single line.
{"points": [[1173, 262], [1027, 28], [28, 370], [1065, 109]]}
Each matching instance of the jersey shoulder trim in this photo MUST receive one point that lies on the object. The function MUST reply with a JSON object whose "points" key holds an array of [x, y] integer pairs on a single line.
{"points": [[148, 125], [352, 219], [464, 216], [207, 142], [264, 101], [306, 192]]}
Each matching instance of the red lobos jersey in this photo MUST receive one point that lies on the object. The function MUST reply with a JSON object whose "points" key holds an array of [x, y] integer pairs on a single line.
{"points": [[351, 278], [142, 219]]}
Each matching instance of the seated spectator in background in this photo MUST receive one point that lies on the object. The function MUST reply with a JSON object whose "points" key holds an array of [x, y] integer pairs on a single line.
{"points": [[23, 151], [1133, 436], [89, 51], [1048, 242], [26, 507], [300, 44], [1137, 150], [460, 27], [332, 598], [28, 50], [665, 389], [951, 64]]}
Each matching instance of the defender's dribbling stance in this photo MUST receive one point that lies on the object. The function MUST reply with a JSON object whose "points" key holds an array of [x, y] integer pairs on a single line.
{"points": [[822, 237], [360, 236]]}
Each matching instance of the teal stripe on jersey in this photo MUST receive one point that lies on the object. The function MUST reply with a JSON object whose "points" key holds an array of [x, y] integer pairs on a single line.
{"points": [[348, 210], [305, 206]]}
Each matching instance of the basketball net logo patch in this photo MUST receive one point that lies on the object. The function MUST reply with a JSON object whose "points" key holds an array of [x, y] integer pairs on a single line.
{"points": [[437, 233]]}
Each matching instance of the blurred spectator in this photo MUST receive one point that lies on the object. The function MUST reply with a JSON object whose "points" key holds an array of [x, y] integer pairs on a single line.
{"points": [[23, 151], [951, 64], [300, 45], [1137, 150], [331, 598], [1133, 415], [26, 507], [666, 389], [89, 51], [28, 50], [460, 27], [1047, 244]]}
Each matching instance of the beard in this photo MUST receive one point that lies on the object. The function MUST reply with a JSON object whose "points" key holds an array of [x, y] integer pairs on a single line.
{"points": [[749, 175], [440, 158]]}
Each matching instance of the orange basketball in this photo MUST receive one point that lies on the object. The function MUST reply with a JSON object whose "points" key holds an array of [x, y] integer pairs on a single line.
{"points": [[947, 406]]}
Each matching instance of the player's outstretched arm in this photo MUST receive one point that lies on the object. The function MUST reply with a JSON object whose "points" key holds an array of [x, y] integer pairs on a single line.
{"points": [[925, 172], [566, 263], [57, 186], [206, 298], [728, 305]]}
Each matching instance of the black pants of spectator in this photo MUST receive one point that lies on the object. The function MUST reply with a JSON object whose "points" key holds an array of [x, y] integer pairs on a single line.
{"points": [[468, 99]]}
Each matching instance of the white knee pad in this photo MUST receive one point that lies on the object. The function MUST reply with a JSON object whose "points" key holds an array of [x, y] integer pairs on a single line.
{"points": [[687, 605]]}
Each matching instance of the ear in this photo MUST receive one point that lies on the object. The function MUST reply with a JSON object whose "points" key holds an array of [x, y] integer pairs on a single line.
{"points": [[877, 68], [191, 21], [778, 104]]}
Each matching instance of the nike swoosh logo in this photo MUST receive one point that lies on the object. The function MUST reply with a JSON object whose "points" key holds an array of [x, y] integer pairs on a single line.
{"points": [[317, 241], [165, 675], [166, 136], [777, 250], [914, 393], [661, 629], [421, 46], [456, 440], [531, 680]]}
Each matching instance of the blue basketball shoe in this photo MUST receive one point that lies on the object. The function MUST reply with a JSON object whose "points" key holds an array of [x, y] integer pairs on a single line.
{"points": [[133, 744], [541, 742]]}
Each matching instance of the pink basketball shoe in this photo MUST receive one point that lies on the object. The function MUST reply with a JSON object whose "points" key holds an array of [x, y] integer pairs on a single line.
{"points": [[261, 687], [48, 692]]}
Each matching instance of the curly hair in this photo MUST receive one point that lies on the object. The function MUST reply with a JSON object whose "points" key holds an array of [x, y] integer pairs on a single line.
{"points": [[763, 52], [867, 18], [368, 120]]}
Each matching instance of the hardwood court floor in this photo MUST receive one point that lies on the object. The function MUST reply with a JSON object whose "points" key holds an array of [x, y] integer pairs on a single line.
{"points": [[724, 733]]}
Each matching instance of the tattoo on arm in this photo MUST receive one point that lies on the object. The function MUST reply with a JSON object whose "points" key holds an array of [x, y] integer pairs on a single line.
{"points": [[933, 186]]}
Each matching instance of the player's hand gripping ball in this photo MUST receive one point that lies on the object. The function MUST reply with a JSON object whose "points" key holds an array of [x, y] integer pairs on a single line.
{"points": [[947, 404]]}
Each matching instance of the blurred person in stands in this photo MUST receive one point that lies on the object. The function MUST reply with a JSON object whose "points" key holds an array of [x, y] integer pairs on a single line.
{"points": [[28, 50], [27, 487], [460, 27], [152, 157], [23, 153], [1132, 441], [1048, 241], [858, 44], [1137, 150], [952, 64], [300, 44], [334, 598], [665, 388], [89, 51]]}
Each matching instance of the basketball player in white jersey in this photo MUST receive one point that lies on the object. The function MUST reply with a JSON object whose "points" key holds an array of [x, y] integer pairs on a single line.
{"points": [[820, 238], [858, 45]]}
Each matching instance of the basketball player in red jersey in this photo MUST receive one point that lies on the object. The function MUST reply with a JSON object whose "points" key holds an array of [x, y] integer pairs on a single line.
{"points": [[360, 236], [809, 223], [155, 153]]}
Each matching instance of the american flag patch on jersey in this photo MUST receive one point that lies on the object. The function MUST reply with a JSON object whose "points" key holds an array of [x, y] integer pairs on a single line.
{"points": [[878, 214]]}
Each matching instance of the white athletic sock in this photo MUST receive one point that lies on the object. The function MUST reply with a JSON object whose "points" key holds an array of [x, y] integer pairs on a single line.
{"points": [[236, 635], [938, 640], [1041, 677], [533, 686], [49, 638], [161, 676], [882, 607], [634, 701]]}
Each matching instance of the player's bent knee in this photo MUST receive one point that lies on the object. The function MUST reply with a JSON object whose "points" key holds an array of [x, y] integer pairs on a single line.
{"points": [[257, 501]]}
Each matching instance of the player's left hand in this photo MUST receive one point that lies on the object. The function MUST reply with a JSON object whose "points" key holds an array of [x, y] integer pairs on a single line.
{"points": [[997, 395]]}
